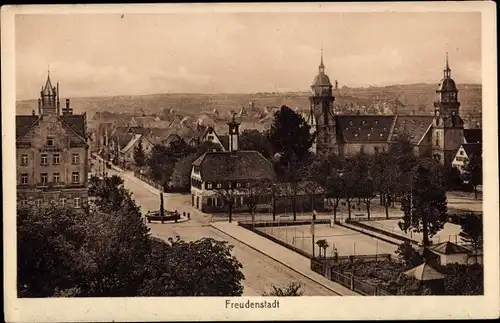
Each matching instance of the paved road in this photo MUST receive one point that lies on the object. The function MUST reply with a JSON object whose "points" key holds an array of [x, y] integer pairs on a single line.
{"points": [[260, 271]]}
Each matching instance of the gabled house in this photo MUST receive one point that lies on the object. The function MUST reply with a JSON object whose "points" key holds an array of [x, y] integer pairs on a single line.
{"points": [[126, 145], [52, 153], [203, 134], [449, 253], [465, 154], [232, 170]]}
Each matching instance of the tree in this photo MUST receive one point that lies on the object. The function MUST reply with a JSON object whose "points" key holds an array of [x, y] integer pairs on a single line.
{"points": [[253, 139], [228, 196], [139, 154], [254, 194], [408, 255], [197, 268], [290, 139], [472, 232], [387, 177], [474, 173], [292, 289], [322, 244], [48, 249], [424, 207], [160, 163]]}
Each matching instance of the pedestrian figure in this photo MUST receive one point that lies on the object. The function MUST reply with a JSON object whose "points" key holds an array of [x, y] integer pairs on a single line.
{"points": [[189, 216]]}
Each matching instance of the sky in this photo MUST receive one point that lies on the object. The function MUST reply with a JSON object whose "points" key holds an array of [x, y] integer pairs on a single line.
{"points": [[108, 55]]}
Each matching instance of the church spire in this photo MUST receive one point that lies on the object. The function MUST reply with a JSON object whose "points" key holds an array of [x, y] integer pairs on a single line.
{"points": [[321, 65], [447, 70]]}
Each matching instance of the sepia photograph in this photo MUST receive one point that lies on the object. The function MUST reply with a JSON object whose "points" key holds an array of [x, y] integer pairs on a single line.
{"points": [[252, 154]]}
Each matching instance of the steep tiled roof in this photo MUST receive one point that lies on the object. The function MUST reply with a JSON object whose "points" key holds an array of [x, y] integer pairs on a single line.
{"points": [[473, 135], [124, 139], [243, 165], [24, 123], [131, 143], [224, 140], [75, 122], [120, 131], [473, 150], [364, 128], [415, 126], [448, 248]]}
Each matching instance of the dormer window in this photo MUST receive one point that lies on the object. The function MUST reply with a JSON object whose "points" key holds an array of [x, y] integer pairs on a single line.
{"points": [[50, 141], [219, 185], [209, 186]]}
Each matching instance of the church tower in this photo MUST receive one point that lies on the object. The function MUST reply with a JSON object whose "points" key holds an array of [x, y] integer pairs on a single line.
{"points": [[321, 114], [448, 126], [48, 103]]}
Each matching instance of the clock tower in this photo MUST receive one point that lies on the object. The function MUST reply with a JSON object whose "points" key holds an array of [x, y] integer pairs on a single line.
{"points": [[322, 113], [448, 126]]}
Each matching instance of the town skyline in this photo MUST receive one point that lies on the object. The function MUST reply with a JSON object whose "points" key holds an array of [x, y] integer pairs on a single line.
{"points": [[357, 57]]}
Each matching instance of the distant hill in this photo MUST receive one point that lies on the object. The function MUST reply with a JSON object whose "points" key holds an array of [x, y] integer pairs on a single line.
{"points": [[218, 107]]}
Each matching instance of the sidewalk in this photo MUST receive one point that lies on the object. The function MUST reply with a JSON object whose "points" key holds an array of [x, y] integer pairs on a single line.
{"points": [[286, 257]]}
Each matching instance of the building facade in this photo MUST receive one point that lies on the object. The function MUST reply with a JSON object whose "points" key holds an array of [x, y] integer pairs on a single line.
{"points": [[228, 173], [439, 135], [52, 153]]}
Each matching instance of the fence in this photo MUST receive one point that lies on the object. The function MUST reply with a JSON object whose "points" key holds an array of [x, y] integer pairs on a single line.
{"points": [[349, 281], [149, 181]]}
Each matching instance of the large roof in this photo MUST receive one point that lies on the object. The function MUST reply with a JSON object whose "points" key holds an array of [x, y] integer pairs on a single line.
{"points": [[414, 126], [241, 165], [24, 123], [448, 248], [364, 128], [124, 139], [74, 122], [473, 135]]}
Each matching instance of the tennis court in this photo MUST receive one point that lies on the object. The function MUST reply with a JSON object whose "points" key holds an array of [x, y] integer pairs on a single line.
{"points": [[347, 242], [450, 232]]}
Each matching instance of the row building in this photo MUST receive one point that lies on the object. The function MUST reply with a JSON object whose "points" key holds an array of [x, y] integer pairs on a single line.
{"points": [[52, 153], [439, 135]]}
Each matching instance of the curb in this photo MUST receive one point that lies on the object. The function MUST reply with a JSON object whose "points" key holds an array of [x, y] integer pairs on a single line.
{"points": [[282, 263]]}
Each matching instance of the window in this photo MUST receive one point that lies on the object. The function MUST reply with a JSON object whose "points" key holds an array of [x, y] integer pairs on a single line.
{"points": [[376, 149], [219, 185], [229, 184], [24, 179], [38, 202], [362, 149], [44, 178], [238, 184], [209, 201], [210, 138], [50, 142], [45, 160], [23, 202], [56, 178], [76, 177], [461, 152], [24, 159], [77, 202], [56, 159], [62, 201], [76, 159], [209, 186]]}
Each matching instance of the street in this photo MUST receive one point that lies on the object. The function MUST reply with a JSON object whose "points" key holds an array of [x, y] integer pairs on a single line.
{"points": [[260, 271]]}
